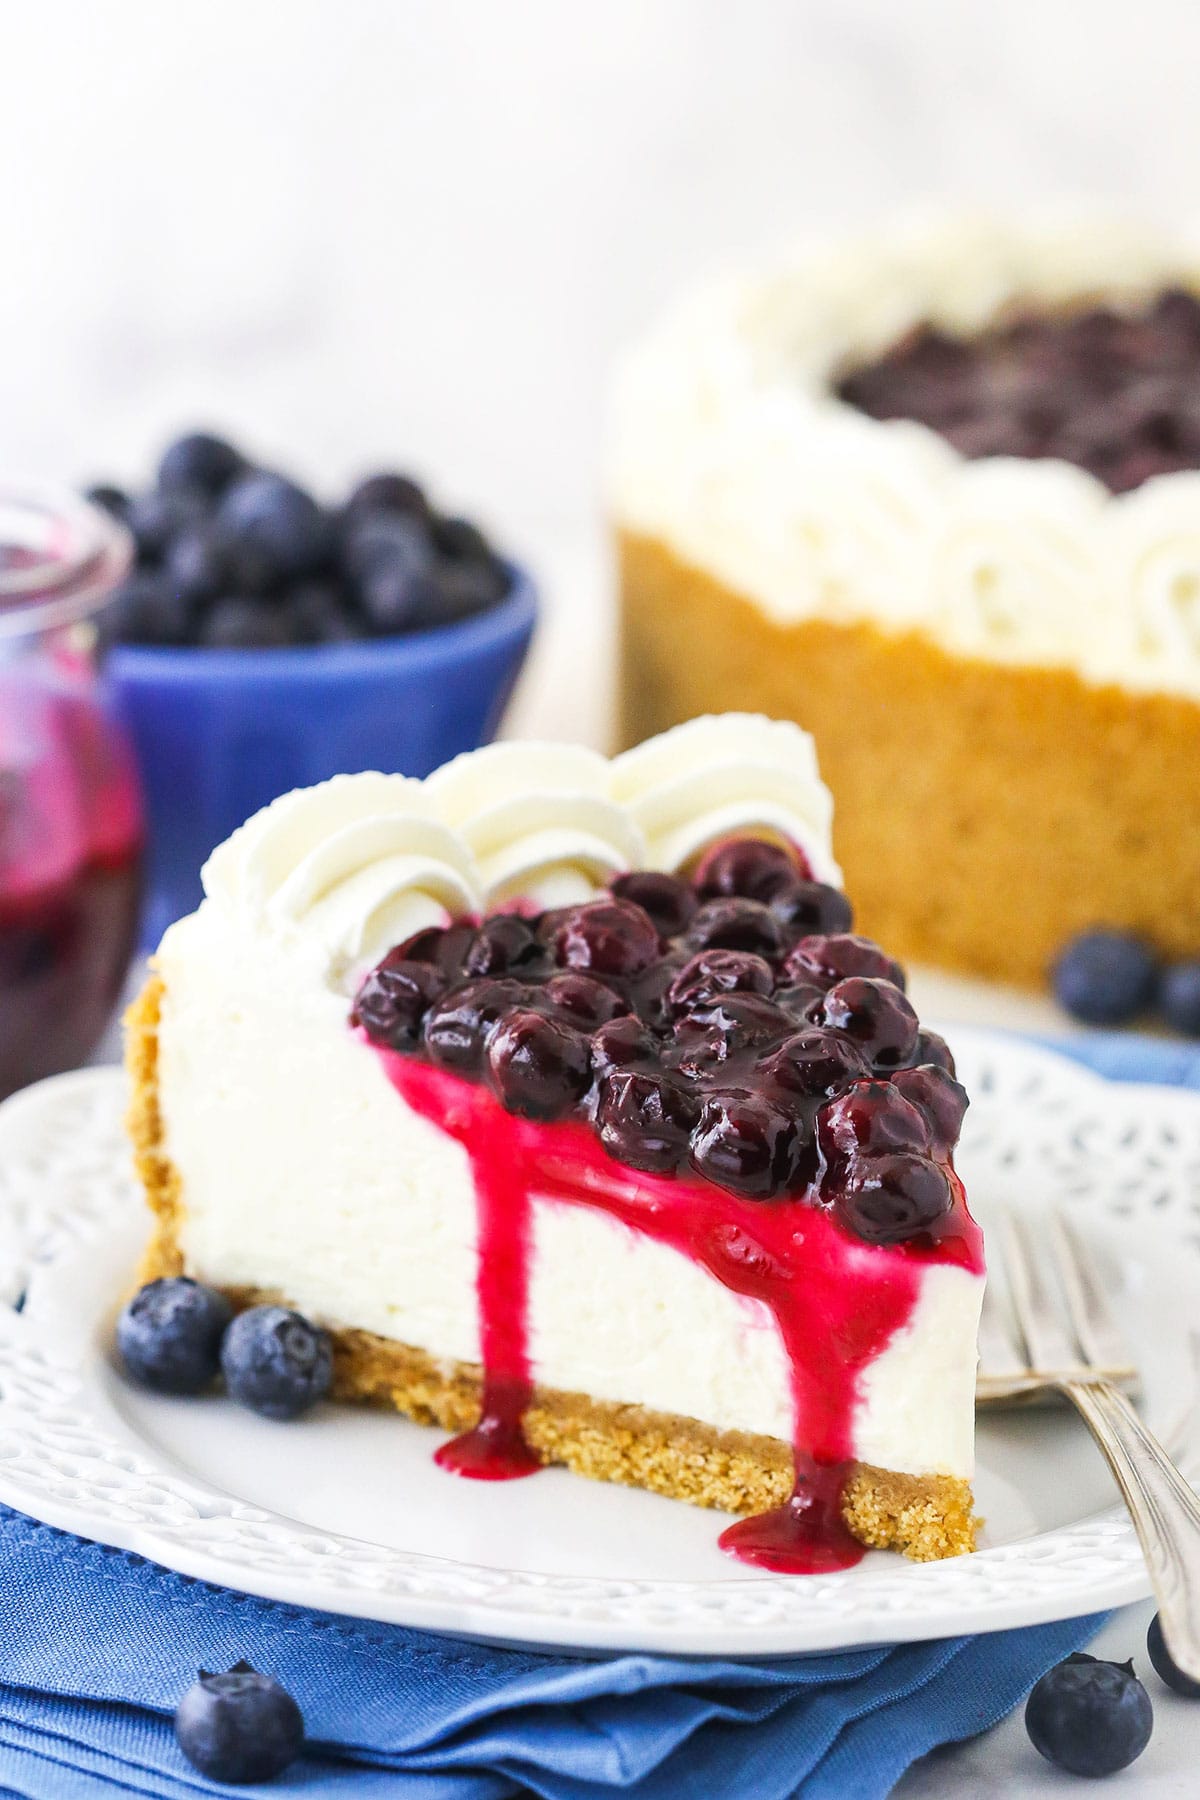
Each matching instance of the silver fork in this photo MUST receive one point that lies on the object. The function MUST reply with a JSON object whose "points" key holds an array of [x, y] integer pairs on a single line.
{"points": [[1070, 1342]]}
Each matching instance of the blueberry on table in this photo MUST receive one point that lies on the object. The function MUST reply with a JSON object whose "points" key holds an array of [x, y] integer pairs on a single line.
{"points": [[239, 1727], [270, 530], [169, 1335], [1089, 1717], [1105, 977], [275, 1362], [1164, 1665], [199, 463], [1179, 997]]}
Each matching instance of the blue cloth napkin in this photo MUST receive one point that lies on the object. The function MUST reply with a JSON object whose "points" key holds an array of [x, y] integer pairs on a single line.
{"points": [[97, 1645]]}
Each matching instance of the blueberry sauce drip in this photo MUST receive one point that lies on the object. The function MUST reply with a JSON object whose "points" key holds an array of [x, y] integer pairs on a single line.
{"points": [[1116, 393], [696, 1060]]}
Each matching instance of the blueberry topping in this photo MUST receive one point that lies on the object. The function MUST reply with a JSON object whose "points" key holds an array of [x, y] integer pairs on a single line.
{"points": [[746, 1142], [669, 901], [538, 1066], [586, 1001], [1179, 997], [457, 1026], [712, 973], [876, 1015], [608, 937], [1089, 1717], [889, 1198], [644, 1118], [812, 908], [814, 1063], [711, 1035], [1105, 977], [240, 1727], [394, 999], [934, 1049], [502, 943], [1164, 1665], [736, 924], [749, 868], [872, 1116], [169, 1335], [199, 463], [826, 959], [275, 1362], [941, 1100], [621, 1044]]}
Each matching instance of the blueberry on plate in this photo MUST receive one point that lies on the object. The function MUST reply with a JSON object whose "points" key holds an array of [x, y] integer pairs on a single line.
{"points": [[1164, 1665], [1089, 1717], [169, 1335], [199, 463], [239, 1727], [275, 1362], [1105, 977], [1179, 997]]}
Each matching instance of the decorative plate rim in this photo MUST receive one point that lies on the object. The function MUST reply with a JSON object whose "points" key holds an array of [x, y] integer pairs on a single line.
{"points": [[69, 1458]]}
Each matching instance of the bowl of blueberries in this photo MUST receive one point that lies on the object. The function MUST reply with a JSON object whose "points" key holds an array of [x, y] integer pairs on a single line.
{"points": [[266, 641]]}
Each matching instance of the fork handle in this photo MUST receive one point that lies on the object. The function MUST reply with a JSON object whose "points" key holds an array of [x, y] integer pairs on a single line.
{"points": [[1163, 1507]]}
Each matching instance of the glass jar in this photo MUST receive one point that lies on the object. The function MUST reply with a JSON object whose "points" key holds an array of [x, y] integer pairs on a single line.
{"points": [[70, 813]]}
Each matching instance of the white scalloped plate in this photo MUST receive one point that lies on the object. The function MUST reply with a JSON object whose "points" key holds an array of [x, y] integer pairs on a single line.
{"points": [[345, 1510]]}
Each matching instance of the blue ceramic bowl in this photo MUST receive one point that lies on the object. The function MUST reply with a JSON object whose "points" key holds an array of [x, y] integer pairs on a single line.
{"points": [[220, 732]]}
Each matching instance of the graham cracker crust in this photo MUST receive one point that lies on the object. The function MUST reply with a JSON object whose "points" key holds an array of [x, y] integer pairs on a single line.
{"points": [[924, 1516], [984, 813]]}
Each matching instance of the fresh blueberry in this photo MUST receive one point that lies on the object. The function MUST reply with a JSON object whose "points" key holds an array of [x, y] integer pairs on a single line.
{"points": [[386, 493], [392, 1002], [240, 1727], [1105, 977], [749, 868], [459, 540], [269, 530], [145, 610], [110, 499], [1179, 997], [156, 518], [537, 1066], [747, 1143], [199, 462], [388, 559], [669, 901], [606, 937], [1164, 1665], [465, 589], [876, 1015], [240, 622], [193, 565], [1089, 1717], [319, 614], [275, 1362], [889, 1198], [644, 1118], [169, 1334]]}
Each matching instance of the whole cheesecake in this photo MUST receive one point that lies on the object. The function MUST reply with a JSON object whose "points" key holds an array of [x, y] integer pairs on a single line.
{"points": [[562, 1094], [936, 493]]}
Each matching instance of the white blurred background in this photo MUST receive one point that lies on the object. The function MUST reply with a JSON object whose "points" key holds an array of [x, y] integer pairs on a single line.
{"points": [[360, 232]]}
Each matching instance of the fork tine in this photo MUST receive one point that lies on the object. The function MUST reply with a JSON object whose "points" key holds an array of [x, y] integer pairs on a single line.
{"points": [[1100, 1336], [1037, 1311], [1000, 1355]]}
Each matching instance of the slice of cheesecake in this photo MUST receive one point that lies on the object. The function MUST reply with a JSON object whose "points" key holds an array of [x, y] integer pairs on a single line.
{"points": [[561, 1093]]}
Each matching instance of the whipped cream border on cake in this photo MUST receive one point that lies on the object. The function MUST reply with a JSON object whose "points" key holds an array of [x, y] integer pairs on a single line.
{"points": [[731, 447], [341, 872]]}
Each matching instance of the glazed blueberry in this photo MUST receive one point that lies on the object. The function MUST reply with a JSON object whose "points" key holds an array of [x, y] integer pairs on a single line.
{"points": [[645, 1118], [386, 493], [826, 959], [814, 1063], [269, 530], [275, 1362], [457, 1026], [711, 973], [1179, 997], [607, 937], [934, 1049], [813, 908], [649, 990], [587, 1002], [710, 1035], [240, 1727], [502, 943], [1105, 977], [871, 1116], [736, 924], [1089, 1717], [746, 1142], [169, 1335], [669, 901], [938, 1097], [241, 622], [876, 1015], [621, 1043], [198, 463], [799, 999], [393, 1000], [536, 1066], [889, 1198], [1164, 1665], [749, 868]]}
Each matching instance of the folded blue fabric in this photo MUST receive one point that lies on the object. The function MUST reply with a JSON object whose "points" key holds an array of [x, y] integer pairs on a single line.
{"points": [[97, 1646]]}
